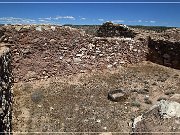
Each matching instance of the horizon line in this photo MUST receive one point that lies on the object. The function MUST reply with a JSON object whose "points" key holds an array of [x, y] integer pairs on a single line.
{"points": [[88, 24]]}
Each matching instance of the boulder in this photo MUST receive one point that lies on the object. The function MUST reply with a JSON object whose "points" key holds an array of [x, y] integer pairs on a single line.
{"points": [[117, 95], [162, 117]]}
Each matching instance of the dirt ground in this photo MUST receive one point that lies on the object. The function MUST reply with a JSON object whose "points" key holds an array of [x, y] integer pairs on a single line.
{"points": [[79, 103]]}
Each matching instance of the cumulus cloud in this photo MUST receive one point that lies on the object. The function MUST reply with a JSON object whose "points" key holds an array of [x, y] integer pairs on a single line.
{"points": [[101, 19], [118, 21]]}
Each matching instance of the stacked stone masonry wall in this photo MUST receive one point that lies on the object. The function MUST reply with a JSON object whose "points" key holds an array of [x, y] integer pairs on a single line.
{"points": [[5, 91]]}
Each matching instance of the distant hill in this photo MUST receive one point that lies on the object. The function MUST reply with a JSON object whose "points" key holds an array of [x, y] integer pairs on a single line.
{"points": [[91, 29], [153, 28]]}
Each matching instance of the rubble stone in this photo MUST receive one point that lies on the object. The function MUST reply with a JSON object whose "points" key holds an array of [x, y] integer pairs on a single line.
{"points": [[117, 95], [109, 29], [39, 28], [40, 47]]}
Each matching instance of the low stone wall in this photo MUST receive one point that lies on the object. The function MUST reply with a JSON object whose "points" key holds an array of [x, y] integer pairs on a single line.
{"points": [[44, 51], [5, 91], [164, 52]]}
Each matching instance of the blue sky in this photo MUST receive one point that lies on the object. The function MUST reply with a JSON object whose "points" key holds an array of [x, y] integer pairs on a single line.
{"points": [[131, 14]]}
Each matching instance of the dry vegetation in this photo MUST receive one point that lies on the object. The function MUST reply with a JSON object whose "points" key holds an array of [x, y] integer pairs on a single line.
{"points": [[79, 103]]}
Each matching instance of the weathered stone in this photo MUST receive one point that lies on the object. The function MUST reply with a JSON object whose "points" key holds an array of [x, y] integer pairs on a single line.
{"points": [[169, 109], [27, 27], [52, 41], [109, 66], [117, 95], [53, 28], [135, 50], [77, 60], [2, 38], [79, 55], [39, 28], [155, 120], [18, 28], [36, 40], [175, 97]]}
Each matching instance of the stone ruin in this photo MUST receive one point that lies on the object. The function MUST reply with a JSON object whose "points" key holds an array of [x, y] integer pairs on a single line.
{"points": [[164, 52], [42, 51], [5, 90], [110, 29]]}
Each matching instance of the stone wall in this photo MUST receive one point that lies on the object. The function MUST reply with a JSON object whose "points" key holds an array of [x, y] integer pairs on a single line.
{"points": [[44, 51], [164, 52], [5, 90], [110, 29]]}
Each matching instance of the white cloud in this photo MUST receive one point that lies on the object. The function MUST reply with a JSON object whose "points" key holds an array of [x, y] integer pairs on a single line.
{"points": [[50, 20], [64, 17], [47, 18], [41, 20], [101, 19], [83, 18], [152, 21], [141, 21], [118, 21], [14, 20]]}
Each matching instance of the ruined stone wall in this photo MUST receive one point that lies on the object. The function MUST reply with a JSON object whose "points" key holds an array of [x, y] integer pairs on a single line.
{"points": [[109, 29], [5, 90], [164, 52], [44, 51]]}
